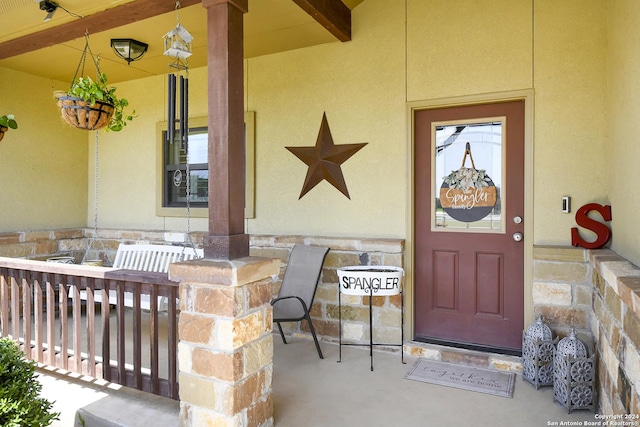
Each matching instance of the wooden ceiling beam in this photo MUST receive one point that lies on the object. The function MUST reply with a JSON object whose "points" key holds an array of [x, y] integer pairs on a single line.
{"points": [[334, 15], [101, 21]]}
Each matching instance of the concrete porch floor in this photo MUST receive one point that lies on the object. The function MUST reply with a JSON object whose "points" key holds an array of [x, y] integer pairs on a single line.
{"points": [[310, 392]]}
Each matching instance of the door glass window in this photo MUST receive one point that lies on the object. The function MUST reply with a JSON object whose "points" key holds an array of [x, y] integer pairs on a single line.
{"points": [[468, 160]]}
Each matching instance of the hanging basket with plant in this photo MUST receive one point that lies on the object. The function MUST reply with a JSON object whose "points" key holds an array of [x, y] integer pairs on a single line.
{"points": [[92, 105], [6, 122]]}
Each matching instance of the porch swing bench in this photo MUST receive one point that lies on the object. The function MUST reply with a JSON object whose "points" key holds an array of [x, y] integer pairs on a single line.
{"points": [[147, 258], [153, 258]]}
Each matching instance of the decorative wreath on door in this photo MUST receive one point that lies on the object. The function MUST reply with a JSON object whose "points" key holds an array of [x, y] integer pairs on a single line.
{"points": [[468, 194]]}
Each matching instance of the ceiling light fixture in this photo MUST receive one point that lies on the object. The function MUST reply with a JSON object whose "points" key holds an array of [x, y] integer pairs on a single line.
{"points": [[129, 49], [49, 7]]}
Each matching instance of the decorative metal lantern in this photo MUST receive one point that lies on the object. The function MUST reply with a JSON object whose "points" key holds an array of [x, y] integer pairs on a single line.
{"points": [[177, 43], [538, 351], [574, 374]]}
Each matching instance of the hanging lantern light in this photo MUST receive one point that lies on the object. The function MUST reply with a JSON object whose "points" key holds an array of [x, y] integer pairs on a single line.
{"points": [[538, 351], [177, 43], [574, 374]]}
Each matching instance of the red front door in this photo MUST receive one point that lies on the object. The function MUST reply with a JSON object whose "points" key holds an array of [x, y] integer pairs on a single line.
{"points": [[469, 221]]}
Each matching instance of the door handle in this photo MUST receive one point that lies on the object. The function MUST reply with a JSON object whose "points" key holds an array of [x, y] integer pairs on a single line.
{"points": [[517, 237]]}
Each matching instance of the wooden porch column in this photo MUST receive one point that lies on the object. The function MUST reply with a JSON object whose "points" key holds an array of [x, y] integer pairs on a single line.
{"points": [[226, 238]]}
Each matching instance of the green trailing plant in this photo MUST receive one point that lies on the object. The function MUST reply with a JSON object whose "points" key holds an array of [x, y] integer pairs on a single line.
{"points": [[91, 91], [20, 401], [9, 121]]}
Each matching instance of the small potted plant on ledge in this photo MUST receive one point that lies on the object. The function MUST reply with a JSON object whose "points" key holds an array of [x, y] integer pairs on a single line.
{"points": [[92, 105], [6, 122]]}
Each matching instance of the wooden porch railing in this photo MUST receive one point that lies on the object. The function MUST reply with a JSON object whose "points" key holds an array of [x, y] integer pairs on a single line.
{"points": [[42, 309]]}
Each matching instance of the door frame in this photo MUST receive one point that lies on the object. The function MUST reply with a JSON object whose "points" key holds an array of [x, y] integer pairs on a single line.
{"points": [[527, 95]]}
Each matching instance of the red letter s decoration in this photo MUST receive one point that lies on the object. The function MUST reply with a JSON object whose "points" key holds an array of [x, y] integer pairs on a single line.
{"points": [[603, 233]]}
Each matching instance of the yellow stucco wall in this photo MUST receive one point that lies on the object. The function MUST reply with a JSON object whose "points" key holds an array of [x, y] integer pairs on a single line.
{"points": [[570, 113], [458, 48], [623, 148], [43, 164], [361, 87]]}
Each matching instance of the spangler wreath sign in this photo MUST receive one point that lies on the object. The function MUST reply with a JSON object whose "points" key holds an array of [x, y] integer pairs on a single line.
{"points": [[468, 194]]}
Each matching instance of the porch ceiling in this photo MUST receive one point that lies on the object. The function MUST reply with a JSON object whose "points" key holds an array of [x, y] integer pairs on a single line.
{"points": [[271, 26]]}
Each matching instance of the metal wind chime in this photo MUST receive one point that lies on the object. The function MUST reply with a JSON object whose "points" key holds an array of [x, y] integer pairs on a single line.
{"points": [[177, 45]]}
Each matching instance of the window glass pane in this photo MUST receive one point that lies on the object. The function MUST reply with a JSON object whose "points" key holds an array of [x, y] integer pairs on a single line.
{"points": [[175, 181], [468, 161], [198, 146], [178, 189], [199, 186]]}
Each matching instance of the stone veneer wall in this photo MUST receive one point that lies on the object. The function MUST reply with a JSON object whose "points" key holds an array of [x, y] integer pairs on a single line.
{"points": [[43, 244], [562, 290], [598, 293], [324, 312], [355, 309], [616, 327], [73, 242]]}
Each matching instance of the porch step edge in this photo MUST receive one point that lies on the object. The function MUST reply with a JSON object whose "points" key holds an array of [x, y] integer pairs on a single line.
{"points": [[129, 408], [501, 362]]}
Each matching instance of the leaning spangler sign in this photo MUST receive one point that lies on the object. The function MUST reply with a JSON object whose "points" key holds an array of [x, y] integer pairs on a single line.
{"points": [[468, 194]]}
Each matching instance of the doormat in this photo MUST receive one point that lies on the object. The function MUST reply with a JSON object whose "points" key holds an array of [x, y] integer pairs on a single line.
{"points": [[463, 377]]}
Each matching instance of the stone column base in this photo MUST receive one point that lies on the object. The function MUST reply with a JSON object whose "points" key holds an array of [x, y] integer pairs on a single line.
{"points": [[225, 350]]}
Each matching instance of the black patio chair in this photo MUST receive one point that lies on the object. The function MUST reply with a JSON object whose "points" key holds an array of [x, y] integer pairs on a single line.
{"points": [[298, 288]]}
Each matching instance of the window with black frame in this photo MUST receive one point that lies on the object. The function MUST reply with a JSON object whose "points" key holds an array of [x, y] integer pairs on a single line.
{"points": [[175, 176]]}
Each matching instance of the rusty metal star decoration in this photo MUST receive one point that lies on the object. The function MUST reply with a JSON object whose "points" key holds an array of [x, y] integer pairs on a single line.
{"points": [[324, 160]]}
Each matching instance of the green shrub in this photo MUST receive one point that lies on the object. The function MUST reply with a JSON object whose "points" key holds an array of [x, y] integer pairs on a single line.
{"points": [[20, 404]]}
